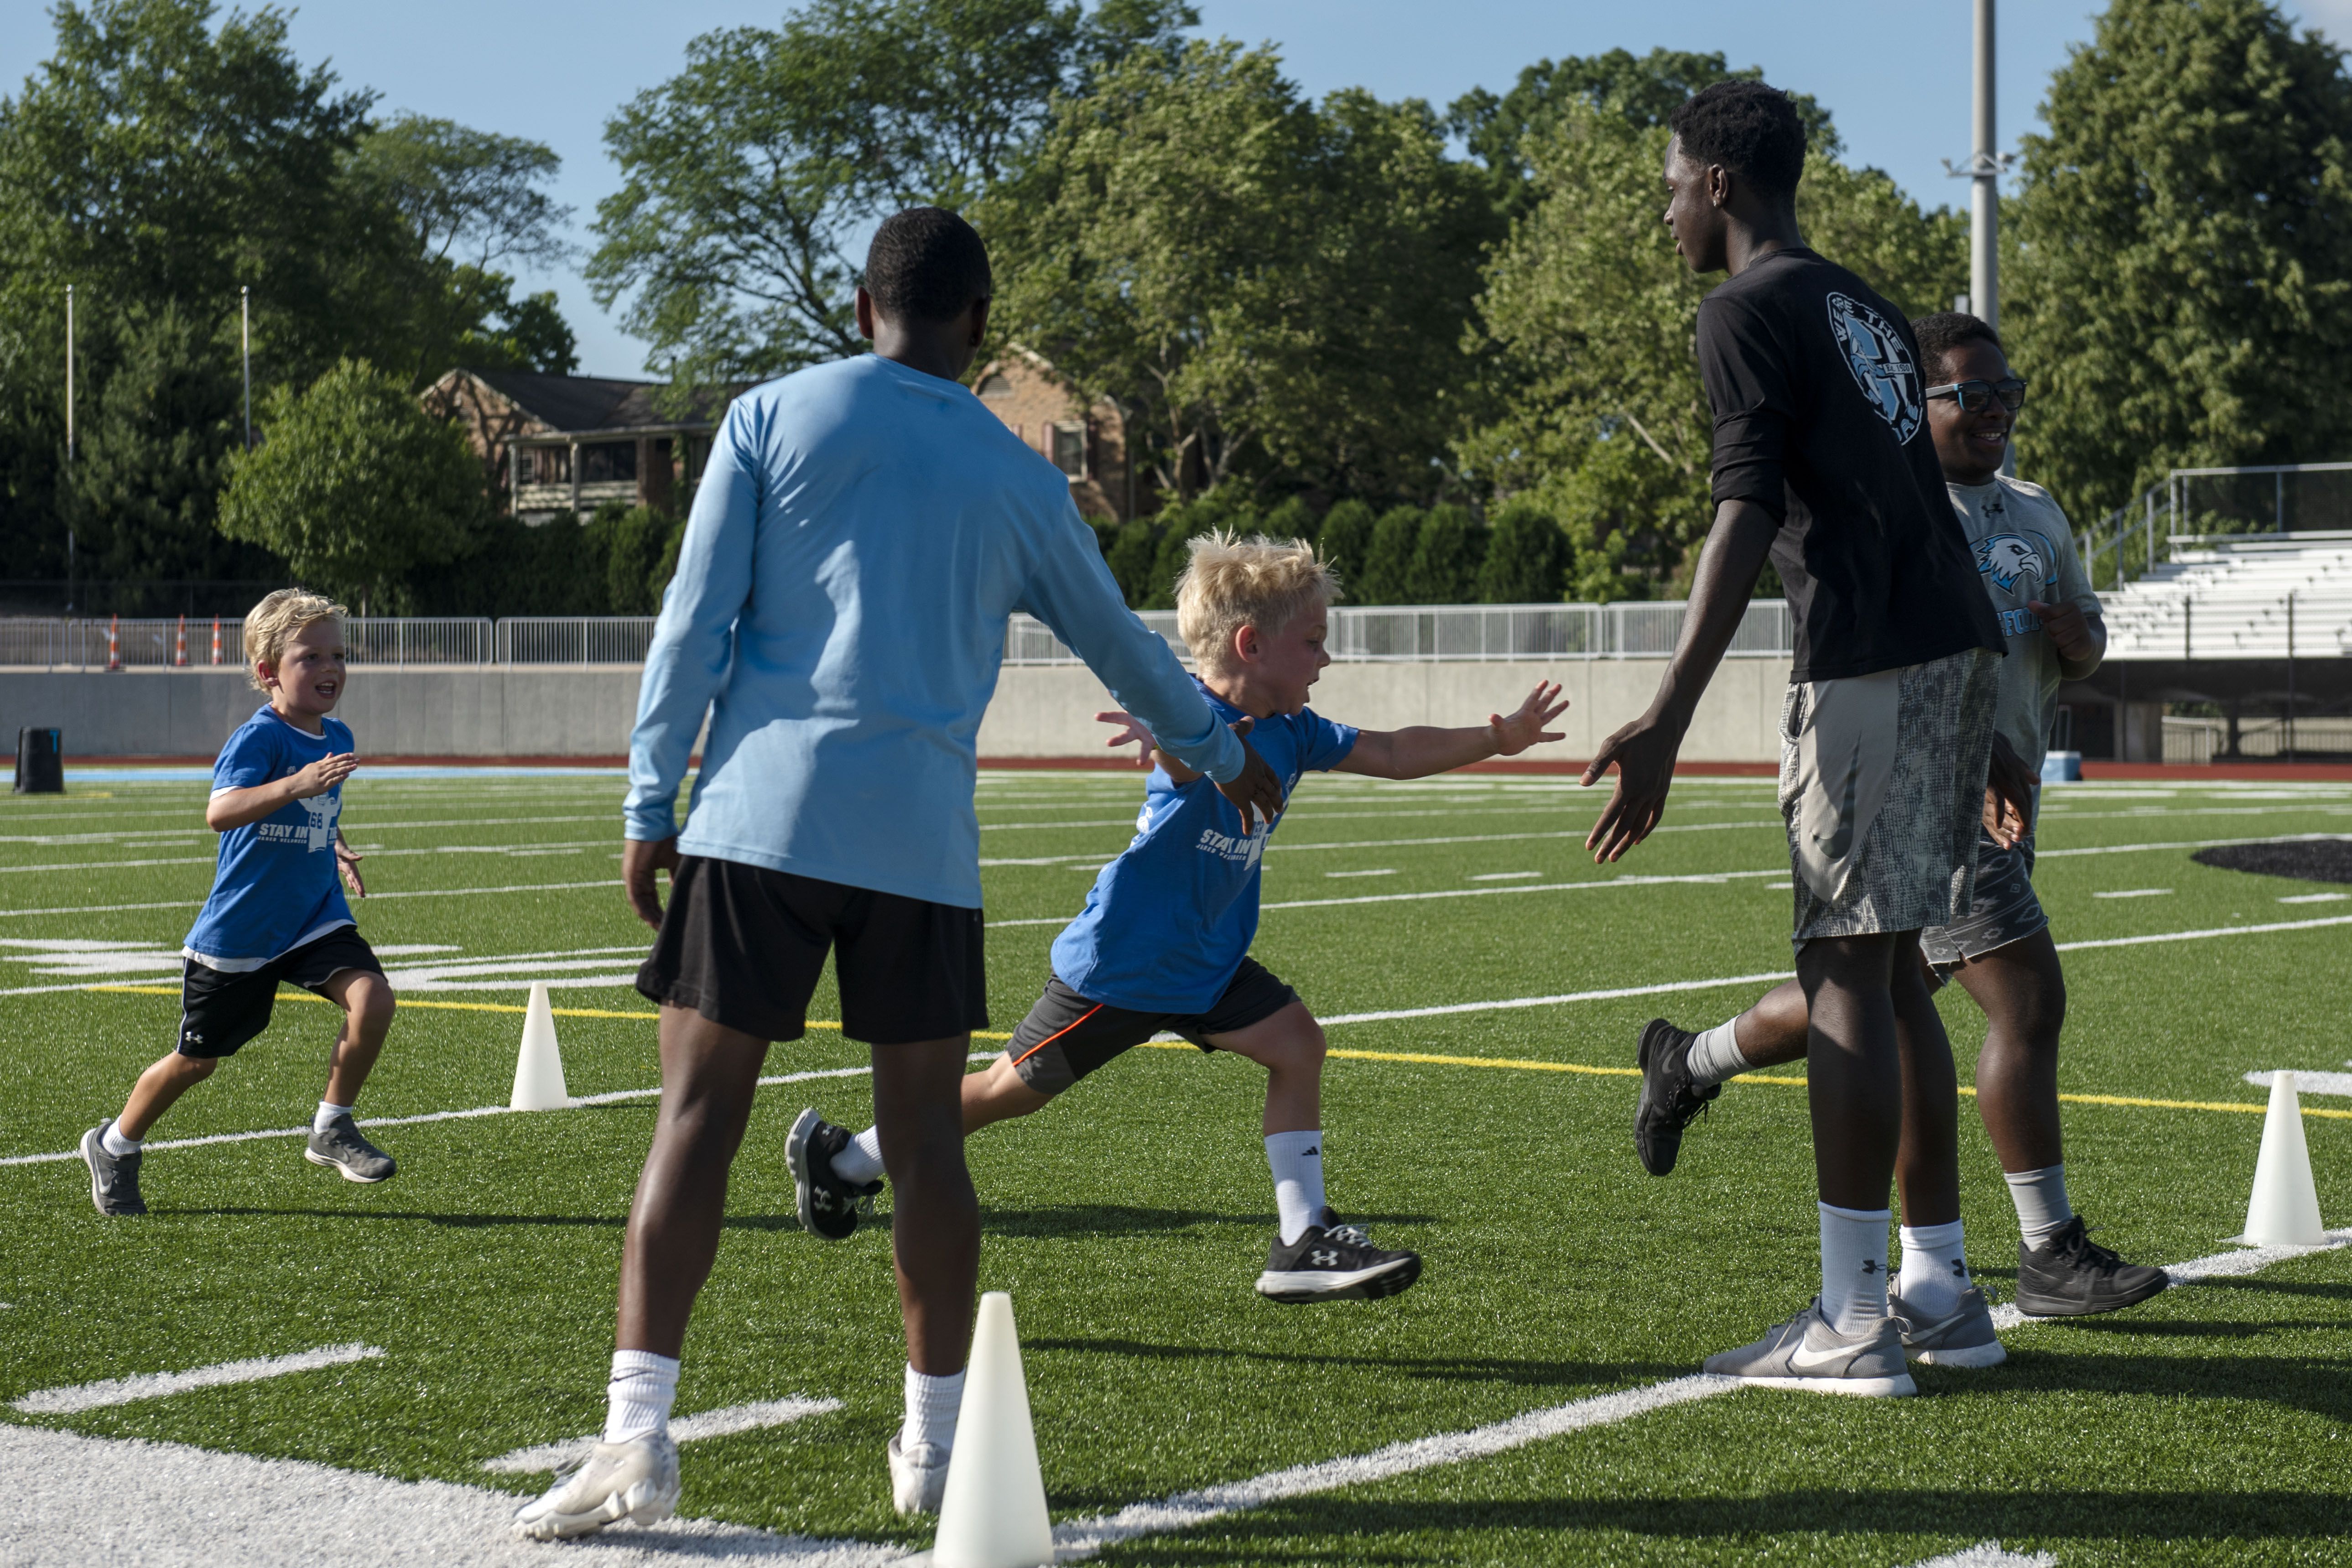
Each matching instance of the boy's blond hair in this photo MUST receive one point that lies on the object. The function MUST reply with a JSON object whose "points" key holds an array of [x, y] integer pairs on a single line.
{"points": [[270, 624], [1233, 582]]}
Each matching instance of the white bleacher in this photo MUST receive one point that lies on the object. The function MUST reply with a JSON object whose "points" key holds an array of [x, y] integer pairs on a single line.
{"points": [[2227, 598]]}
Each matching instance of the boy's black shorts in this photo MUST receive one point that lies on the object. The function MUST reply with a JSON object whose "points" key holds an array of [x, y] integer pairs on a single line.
{"points": [[1066, 1036], [743, 945], [220, 1010]]}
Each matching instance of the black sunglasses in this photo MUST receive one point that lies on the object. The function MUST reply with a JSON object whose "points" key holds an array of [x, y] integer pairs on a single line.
{"points": [[1975, 396]]}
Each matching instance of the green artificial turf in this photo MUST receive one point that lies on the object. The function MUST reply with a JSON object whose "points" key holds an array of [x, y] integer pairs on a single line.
{"points": [[1128, 1220]]}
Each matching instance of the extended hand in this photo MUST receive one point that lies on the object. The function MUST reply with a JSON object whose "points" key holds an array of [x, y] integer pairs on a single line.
{"points": [[2069, 629], [1130, 733], [1645, 752], [347, 861], [1526, 727], [323, 775], [2009, 794], [1255, 788], [639, 861]]}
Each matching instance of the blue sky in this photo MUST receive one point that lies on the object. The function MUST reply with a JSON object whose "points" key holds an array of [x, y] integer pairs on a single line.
{"points": [[1893, 73]]}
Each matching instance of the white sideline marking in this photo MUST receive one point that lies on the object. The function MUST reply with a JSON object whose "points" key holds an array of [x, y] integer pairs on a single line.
{"points": [[1504, 876], [2198, 935], [615, 1098], [721, 1423], [2317, 898], [1082, 1537], [1385, 871], [1552, 1001], [2136, 893], [1989, 1555], [2309, 1082], [156, 1384], [371, 898], [1596, 885], [2219, 1266]]}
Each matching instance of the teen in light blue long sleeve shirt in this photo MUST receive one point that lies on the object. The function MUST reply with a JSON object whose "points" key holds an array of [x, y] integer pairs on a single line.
{"points": [[859, 539]]}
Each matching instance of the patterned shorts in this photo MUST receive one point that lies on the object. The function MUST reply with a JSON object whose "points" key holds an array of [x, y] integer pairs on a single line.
{"points": [[2001, 911], [1881, 789]]}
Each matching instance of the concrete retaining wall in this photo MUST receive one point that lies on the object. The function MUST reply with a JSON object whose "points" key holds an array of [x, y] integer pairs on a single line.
{"points": [[1041, 710]]}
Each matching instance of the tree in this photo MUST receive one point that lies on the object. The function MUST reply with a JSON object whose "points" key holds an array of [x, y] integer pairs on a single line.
{"points": [[1386, 577], [1527, 558], [1446, 557], [1347, 540], [356, 486], [2179, 282], [747, 176], [1267, 288]]}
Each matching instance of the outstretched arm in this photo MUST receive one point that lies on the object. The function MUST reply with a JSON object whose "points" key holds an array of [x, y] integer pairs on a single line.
{"points": [[1421, 749], [1643, 752]]}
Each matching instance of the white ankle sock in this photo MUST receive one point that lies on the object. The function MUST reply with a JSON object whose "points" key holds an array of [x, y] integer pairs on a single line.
{"points": [[327, 1112], [1715, 1056], [860, 1159], [932, 1404], [2042, 1210], [1934, 1270], [116, 1144], [1297, 1160], [637, 1399], [1853, 1267]]}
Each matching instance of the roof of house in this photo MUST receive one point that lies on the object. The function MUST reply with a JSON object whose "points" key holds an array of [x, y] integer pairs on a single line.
{"points": [[579, 404]]}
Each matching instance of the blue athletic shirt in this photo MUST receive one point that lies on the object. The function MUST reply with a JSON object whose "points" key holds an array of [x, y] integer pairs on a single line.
{"points": [[1169, 921], [275, 887]]}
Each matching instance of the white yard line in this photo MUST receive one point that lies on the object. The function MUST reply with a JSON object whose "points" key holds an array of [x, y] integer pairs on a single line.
{"points": [[371, 898], [2200, 935], [83, 1396], [1989, 1555], [722, 1422], [1660, 989]]}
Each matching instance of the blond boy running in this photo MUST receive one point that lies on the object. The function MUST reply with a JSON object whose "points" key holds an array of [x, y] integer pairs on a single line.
{"points": [[276, 911], [1163, 942]]}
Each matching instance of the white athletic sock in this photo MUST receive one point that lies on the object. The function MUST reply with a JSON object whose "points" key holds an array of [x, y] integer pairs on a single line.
{"points": [[1715, 1056], [2042, 1210], [327, 1112], [116, 1144], [1853, 1267], [931, 1407], [1297, 1160], [638, 1400], [1934, 1270], [860, 1159]]}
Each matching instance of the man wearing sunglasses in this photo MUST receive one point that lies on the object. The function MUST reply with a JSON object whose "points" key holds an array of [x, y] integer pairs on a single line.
{"points": [[2001, 950]]}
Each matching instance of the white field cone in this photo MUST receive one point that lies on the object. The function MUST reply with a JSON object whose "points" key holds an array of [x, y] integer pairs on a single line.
{"points": [[2284, 1210], [994, 1515], [539, 1068]]}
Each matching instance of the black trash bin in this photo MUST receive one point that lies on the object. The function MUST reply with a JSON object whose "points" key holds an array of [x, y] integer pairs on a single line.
{"points": [[40, 763]]}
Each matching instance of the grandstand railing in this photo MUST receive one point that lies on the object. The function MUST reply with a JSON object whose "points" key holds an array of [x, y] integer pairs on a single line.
{"points": [[2212, 503], [1397, 633]]}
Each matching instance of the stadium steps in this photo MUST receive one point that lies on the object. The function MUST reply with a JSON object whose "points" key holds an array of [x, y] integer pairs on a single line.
{"points": [[2228, 599]]}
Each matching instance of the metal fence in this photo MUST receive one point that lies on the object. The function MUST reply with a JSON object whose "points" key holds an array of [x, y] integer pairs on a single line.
{"points": [[1414, 633]]}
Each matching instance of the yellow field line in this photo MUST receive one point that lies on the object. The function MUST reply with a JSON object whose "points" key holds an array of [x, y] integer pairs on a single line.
{"points": [[1430, 1058]]}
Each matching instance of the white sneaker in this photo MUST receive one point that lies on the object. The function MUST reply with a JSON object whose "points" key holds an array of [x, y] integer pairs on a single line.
{"points": [[919, 1480], [636, 1480]]}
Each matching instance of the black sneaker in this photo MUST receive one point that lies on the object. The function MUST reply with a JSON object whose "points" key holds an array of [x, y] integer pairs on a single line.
{"points": [[828, 1205], [1669, 1100], [113, 1178], [2071, 1275], [1335, 1262]]}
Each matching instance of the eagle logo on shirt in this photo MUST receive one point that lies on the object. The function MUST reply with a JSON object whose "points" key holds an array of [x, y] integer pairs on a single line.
{"points": [[1882, 365], [2007, 558]]}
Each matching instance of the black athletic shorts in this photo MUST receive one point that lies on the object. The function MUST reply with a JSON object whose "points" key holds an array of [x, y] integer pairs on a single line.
{"points": [[1066, 1036], [743, 945], [221, 1009]]}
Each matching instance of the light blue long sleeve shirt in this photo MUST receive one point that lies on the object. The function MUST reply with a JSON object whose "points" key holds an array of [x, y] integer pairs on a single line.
{"points": [[859, 539]]}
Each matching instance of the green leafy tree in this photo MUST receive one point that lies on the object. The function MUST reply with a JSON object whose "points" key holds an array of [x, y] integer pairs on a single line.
{"points": [[1527, 558], [355, 487], [747, 177], [1446, 557], [1292, 518], [1346, 540], [1387, 575], [2179, 286]]}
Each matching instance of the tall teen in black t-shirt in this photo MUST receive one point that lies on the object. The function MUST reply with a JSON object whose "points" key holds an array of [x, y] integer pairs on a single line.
{"points": [[1822, 461]]}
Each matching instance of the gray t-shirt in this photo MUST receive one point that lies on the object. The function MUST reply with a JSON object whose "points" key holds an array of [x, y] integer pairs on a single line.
{"points": [[2024, 551]]}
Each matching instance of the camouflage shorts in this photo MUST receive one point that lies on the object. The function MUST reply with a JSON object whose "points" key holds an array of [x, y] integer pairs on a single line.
{"points": [[1881, 789]]}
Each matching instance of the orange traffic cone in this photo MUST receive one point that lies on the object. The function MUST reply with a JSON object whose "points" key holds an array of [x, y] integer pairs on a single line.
{"points": [[114, 642], [180, 645], [217, 646]]}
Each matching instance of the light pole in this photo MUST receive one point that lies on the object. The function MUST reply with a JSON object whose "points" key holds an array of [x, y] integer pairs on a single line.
{"points": [[1984, 169], [69, 447]]}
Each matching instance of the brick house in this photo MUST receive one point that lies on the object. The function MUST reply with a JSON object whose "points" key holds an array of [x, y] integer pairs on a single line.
{"points": [[558, 445], [1087, 444]]}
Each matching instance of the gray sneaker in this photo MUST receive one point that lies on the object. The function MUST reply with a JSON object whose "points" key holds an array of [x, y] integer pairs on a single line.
{"points": [[113, 1178], [633, 1480], [1963, 1338], [341, 1148], [1807, 1352]]}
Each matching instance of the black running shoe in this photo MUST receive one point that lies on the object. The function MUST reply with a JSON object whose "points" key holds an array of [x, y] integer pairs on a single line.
{"points": [[2071, 1275], [1670, 1102], [828, 1205], [1335, 1262]]}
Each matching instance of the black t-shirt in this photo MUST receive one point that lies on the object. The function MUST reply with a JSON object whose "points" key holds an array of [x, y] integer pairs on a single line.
{"points": [[1816, 386]]}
